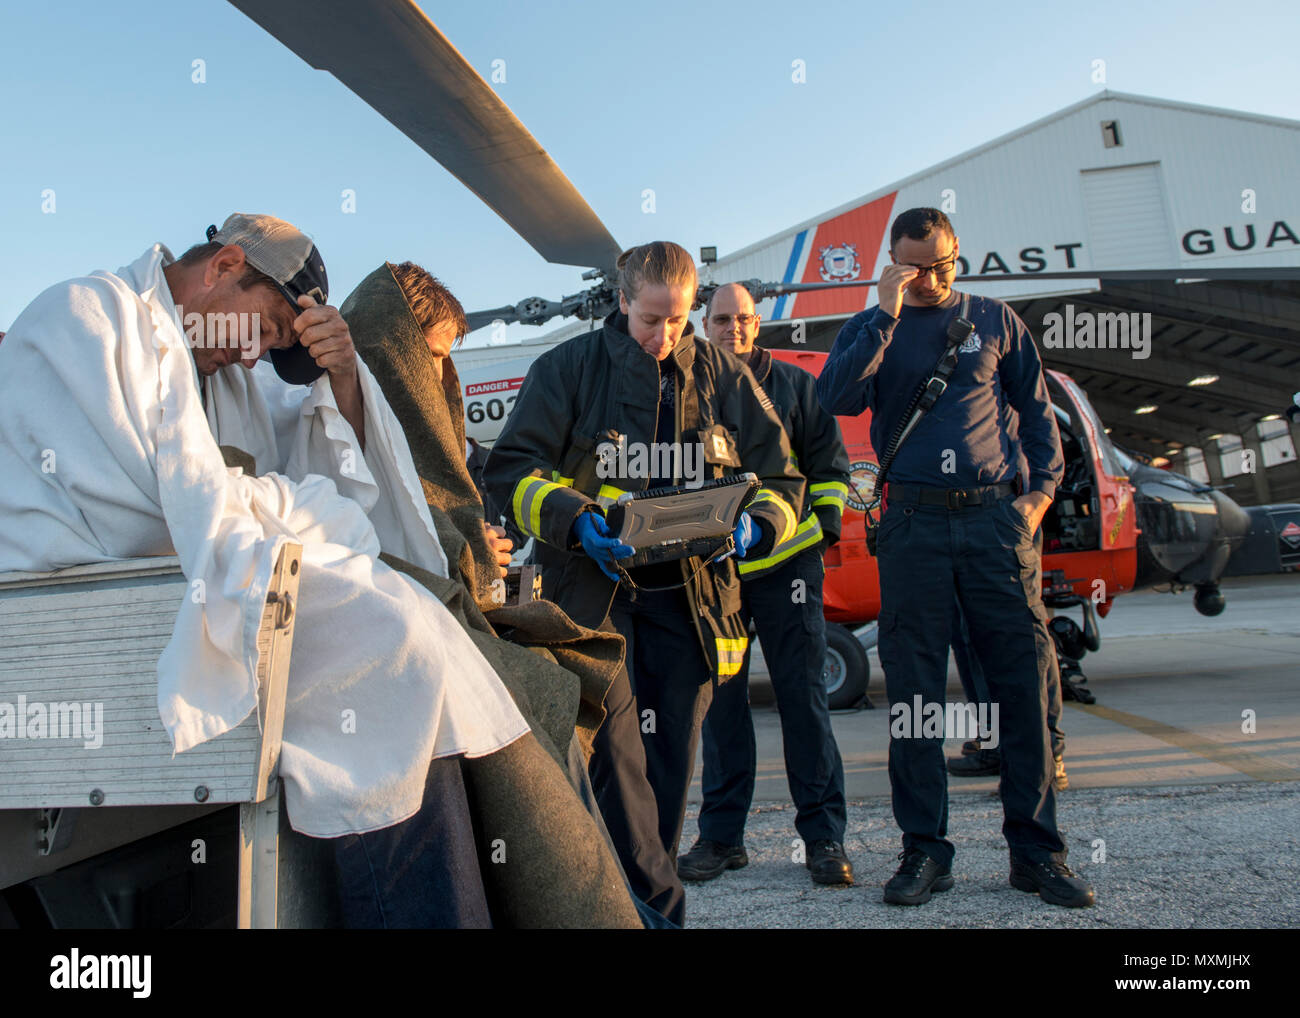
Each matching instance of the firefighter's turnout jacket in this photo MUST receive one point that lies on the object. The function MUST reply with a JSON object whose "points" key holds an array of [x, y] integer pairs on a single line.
{"points": [[818, 452], [578, 402]]}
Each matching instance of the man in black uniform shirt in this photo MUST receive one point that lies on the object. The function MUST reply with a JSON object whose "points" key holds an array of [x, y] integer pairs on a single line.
{"points": [[782, 594], [954, 526]]}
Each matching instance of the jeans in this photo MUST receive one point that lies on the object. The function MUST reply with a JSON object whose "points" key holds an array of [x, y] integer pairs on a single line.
{"points": [[420, 874]]}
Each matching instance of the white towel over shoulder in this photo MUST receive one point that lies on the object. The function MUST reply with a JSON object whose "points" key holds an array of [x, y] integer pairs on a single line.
{"points": [[106, 453]]}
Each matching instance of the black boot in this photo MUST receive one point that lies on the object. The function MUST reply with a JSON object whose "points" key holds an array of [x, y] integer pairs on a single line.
{"points": [[976, 765], [1053, 881], [917, 877], [708, 859], [829, 864]]}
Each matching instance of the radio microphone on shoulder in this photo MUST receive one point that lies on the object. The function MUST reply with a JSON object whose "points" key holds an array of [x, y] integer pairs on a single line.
{"points": [[959, 331]]}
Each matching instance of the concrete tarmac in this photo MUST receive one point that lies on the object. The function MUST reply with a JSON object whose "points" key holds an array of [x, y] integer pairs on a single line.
{"points": [[1182, 807]]}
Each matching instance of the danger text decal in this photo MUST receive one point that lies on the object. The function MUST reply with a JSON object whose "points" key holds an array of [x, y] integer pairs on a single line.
{"points": [[500, 385]]}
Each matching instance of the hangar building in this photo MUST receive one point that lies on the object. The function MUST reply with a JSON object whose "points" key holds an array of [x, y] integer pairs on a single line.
{"points": [[1114, 183]]}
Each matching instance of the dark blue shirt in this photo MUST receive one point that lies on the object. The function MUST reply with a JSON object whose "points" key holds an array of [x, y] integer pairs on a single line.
{"points": [[878, 362]]}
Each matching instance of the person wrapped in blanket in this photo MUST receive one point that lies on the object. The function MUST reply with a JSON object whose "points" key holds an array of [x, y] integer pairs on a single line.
{"points": [[404, 323]]}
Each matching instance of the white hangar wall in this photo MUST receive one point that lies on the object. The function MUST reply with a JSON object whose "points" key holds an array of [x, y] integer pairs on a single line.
{"points": [[1059, 194]]}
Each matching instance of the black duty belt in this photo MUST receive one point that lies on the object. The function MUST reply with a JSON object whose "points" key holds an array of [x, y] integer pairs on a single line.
{"points": [[949, 498]]}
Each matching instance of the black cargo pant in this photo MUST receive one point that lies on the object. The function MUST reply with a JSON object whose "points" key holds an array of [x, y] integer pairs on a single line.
{"points": [[672, 683], [972, 675], [626, 792], [786, 608], [984, 556]]}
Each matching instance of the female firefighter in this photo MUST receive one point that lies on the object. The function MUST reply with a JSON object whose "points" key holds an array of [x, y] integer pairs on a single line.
{"points": [[640, 404]]}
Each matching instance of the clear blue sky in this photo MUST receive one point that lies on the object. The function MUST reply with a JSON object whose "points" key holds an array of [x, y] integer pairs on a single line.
{"points": [[694, 100]]}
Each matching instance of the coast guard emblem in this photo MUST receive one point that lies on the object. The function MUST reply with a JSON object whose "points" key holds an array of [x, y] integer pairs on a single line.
{"points": [[839, 262]]}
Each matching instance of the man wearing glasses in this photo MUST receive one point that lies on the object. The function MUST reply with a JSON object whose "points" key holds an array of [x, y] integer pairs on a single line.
{"points": [[956, 525], [782, 593]]}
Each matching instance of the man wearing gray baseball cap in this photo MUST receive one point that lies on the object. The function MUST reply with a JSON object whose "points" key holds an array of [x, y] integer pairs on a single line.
{"points": [[178, 434], [291, 262], [272, 275]]}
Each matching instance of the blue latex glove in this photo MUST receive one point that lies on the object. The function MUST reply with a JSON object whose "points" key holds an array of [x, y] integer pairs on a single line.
{"points": [[745, 535], [593, 532]]}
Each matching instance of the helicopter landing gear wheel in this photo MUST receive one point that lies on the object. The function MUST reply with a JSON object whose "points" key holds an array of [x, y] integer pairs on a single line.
{"points": [[847, 670]]}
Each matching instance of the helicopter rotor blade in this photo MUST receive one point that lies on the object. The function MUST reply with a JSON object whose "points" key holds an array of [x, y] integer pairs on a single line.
{"points": [[760, 290], [395, 59], [589, 305], [478, 319]]}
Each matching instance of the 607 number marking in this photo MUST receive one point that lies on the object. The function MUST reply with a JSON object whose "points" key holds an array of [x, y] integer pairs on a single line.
{"points": [[493, 410]]}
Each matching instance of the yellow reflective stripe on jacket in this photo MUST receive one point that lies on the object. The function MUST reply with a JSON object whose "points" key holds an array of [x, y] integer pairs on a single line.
{"points": [[787, 514], [731, 654], [806, 535], [608, 495], [529, 495], [834, 493]]}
